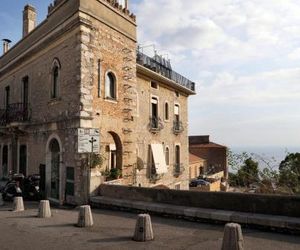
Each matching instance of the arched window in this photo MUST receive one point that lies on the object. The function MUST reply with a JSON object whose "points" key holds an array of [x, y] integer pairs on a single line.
{"points": [[167, 155], [166, 111], [110, 86], [55, 75]]}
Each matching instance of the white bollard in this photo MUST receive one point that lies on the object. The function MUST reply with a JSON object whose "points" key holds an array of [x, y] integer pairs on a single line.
{"points": [[85, 218], [233, 237], [18, 204], [44, 209], [143, 228], [1, 200]]}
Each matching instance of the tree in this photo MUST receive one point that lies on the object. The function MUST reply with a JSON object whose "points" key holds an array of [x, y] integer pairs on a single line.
{"points": [[289, 172], [248, 173]]}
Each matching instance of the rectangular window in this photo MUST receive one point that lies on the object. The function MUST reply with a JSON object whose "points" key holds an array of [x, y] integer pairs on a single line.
{"points": [[25, 92], [154, 85], [7, 97], [177, 187], [176, 118], [70, 177], [25, 97], [154, 112]]}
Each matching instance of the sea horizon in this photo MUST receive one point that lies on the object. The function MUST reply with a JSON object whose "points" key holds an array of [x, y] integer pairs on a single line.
{"points": [[266, 156]]}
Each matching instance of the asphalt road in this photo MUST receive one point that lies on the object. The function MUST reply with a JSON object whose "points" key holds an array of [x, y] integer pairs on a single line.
{"points": [[114, 230]]}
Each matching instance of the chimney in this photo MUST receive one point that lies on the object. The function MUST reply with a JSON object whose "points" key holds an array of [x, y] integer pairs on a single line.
{"points": [[6, 43], [29, 19]]}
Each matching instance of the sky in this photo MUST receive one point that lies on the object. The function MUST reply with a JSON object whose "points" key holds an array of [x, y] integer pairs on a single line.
{"points": [[244, 56]]}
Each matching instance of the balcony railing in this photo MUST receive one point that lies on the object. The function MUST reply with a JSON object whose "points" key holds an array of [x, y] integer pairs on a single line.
{"points": [[178, 169], [155, 124], [15, 112], [177, 127], [153, 176], [163, 67]]}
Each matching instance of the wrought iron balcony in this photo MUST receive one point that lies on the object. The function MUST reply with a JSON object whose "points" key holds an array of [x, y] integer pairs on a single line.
{"points": [[178, 169], [15, 112], [153, 176], [177, 127], [155, 124], [163, 67]]}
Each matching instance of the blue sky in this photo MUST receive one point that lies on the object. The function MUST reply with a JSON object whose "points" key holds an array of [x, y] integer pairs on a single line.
{"points": [[243, 54]]}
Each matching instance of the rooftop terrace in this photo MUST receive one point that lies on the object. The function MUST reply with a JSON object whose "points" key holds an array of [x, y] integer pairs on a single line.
{"points": [[162, 66]]}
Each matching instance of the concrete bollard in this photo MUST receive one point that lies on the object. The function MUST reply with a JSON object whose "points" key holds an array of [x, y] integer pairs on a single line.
{"points": [[233, 237], [18, 204], [1, 200], [143, 228], [85, 218], [44, 209]]}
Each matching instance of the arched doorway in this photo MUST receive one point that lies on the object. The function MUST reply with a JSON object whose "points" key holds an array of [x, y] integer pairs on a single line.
{"points": [[115, 152], [54, 151]]}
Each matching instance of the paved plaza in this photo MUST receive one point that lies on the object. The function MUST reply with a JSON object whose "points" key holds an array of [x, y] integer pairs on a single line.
{"points": [[114, 230]]}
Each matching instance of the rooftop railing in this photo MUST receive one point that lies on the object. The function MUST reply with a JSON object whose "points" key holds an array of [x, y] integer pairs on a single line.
{"points": [[163, 67]]}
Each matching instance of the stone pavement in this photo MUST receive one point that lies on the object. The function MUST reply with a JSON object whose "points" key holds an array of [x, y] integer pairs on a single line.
{"points": [[114, 230]]}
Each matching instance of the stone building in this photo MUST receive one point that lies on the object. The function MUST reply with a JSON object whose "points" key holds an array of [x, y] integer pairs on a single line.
{"points": [[214, 154], [77, 83]]}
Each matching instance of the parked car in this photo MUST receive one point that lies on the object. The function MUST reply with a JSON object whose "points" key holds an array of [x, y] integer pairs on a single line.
{"points": [[198, 182]]}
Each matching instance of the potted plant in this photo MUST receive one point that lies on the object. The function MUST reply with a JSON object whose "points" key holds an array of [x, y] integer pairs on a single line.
{"points": [[115, 173]]}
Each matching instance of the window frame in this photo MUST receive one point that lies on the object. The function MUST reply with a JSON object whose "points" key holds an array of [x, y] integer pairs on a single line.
{"points": [[107, 92], [166, 111], [55, 79], [167, 155]]}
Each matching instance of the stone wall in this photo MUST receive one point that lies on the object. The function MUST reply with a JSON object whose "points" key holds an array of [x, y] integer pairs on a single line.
{"points": [[239, 202], [165, 136]]}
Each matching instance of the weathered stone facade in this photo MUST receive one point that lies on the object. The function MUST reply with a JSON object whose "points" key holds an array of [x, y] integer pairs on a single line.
{"points": [[54, 81]]}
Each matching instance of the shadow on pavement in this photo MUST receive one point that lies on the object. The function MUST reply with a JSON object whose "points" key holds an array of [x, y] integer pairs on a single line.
{"points": [[111, 240], [22, 217], [59, 225]]}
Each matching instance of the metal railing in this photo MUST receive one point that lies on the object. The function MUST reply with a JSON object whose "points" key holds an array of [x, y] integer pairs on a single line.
{"points": [[163, 67], [15, 112], [153, 176], [155, 124], [178, 127], [178, 169]]}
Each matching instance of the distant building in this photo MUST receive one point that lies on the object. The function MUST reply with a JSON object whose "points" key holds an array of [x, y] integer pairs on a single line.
{"points": [[197, 166], [76, 83], [214, 154]]}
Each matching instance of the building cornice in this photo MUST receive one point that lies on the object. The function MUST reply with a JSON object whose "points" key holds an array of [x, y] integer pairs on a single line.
{"points": [[143, 71]]}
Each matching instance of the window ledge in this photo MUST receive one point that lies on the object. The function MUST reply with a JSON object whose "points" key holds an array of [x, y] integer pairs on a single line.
{"points": [[54, 101], [109, 99]]}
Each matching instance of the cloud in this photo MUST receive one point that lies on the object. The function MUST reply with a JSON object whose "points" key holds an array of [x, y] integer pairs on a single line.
{"points": [[244, 56]]}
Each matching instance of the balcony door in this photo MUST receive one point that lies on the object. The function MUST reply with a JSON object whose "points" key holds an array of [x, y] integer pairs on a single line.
{"points": [[7, 97], [5, 161], [25, 96], [23, 160]]}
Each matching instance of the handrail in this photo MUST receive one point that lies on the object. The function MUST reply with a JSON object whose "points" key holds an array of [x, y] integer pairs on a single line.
{"points": [[163, 67]]}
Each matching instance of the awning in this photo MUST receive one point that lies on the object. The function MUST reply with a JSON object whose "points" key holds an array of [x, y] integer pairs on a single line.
{"points": [[159, 158]]}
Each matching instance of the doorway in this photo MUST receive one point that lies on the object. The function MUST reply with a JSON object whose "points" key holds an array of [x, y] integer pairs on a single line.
{"points": [[5, 161], [23, 160], [54, 150]]}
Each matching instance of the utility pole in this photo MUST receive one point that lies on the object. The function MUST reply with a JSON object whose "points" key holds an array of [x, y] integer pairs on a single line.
{"points": [[92, 141]]}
